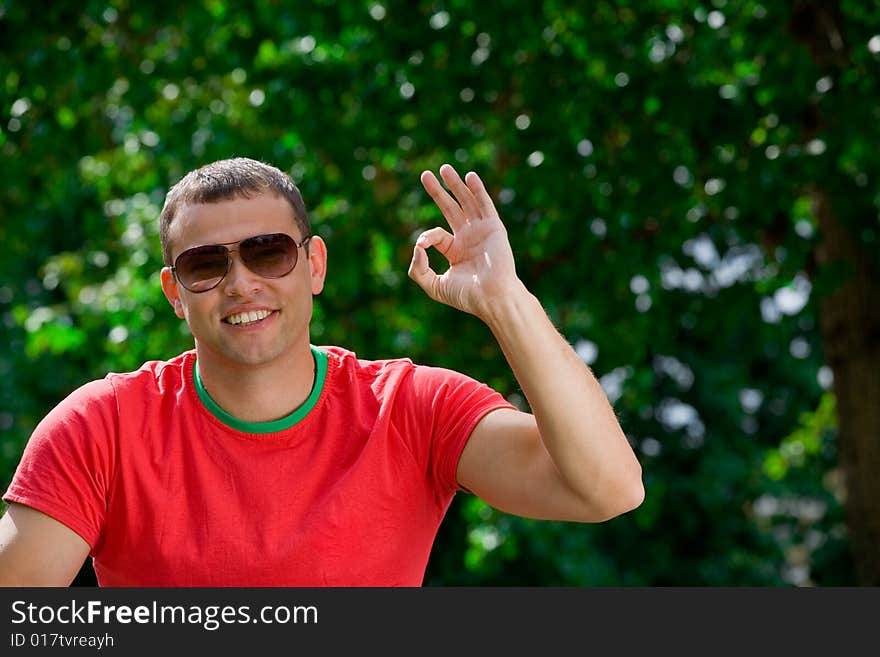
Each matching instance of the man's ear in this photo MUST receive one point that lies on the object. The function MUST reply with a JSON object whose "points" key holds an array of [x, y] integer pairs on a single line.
{"points": [[317, 263], [172, 293]]}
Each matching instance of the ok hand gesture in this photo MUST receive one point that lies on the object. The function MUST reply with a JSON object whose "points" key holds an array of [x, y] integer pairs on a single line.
{"points": [[481, 266]]}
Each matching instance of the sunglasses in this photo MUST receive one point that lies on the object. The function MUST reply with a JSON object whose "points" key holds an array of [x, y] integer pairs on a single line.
{"points": [[201, 268]]}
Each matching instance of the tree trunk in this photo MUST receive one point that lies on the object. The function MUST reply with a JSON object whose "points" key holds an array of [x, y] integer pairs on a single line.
{"points": [[850, 326], [850, 314]]}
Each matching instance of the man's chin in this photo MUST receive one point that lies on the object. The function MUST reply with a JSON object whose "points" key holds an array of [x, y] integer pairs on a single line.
{"points": [[254, 354], [252, 358]]}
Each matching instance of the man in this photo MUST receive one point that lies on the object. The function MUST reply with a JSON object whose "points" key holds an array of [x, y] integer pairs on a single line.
{"points": [[258, 459]]}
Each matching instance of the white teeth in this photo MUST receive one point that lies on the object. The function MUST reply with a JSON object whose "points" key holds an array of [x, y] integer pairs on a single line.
{"points": [[248, 317]]}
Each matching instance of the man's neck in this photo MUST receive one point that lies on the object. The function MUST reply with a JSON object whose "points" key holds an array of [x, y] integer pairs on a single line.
{"points": [[262, 393]]}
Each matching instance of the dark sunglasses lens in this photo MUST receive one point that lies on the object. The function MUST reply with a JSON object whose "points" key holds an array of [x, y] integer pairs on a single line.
{"points": [[202, 268], [272, 256]]}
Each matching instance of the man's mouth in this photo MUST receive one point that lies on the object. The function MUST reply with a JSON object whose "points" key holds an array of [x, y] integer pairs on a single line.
{"points": [[247, 318]]}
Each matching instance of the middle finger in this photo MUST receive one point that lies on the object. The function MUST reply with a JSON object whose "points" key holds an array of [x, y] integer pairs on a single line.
{"points": [[462, 192]]}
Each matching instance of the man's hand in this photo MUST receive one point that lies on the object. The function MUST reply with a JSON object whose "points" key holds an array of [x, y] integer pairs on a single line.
{"points": [[481, 266]]}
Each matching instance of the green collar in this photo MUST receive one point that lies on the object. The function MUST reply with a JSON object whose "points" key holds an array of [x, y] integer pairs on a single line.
{"points": [[276, 425]]}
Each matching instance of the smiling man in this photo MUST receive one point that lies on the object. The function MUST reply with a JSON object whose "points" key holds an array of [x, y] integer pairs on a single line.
{"points": [[259, 459]]}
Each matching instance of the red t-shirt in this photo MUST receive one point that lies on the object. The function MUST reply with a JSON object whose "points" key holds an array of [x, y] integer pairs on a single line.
{"points": [[169, 491]]}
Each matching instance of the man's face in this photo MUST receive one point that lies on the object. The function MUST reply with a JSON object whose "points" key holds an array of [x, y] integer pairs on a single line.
{"points": [[288, 300]]}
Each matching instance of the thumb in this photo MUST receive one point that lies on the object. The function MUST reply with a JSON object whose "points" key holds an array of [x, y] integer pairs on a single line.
{"points": [[420, 271]]}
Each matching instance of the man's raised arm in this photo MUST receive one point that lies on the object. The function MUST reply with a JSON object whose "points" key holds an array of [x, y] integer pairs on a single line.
{"points": [[37, 550], [569, 459]]}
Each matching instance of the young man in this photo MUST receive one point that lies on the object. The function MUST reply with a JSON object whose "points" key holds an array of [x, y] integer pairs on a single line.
{"points": [[258, 459]]}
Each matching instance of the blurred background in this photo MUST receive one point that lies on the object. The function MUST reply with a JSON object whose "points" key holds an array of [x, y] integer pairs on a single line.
{"points": [[690, 188]]}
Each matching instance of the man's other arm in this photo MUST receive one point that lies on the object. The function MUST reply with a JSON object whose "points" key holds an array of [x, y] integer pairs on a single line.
{"points": [[37, 550], [567, 460]]}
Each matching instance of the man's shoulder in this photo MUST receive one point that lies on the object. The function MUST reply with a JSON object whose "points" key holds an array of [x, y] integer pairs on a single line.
{"points": [[388, 370], [157, 375], [343, 358], [346, 370]]}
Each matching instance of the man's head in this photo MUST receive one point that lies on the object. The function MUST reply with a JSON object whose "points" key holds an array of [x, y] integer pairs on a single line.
{"points": [[249, 315], [223, 180]]}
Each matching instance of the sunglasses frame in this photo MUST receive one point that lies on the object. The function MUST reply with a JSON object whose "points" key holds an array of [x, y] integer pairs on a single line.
{"points": [[229, 253]]}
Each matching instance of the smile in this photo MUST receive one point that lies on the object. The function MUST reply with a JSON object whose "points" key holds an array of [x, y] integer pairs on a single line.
{"points": [[247, 318]]}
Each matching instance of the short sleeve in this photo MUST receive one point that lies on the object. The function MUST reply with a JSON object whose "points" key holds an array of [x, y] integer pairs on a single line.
{"points": [[67, 466], [451, 404]]}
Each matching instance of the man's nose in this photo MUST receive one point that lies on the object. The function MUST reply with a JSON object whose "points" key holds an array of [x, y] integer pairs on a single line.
{"points": [[240, 281]]}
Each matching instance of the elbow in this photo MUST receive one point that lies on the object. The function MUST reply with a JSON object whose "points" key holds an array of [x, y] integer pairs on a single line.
{"points": [[628, 495], [634, 489], [612, 494], [636, 495]]}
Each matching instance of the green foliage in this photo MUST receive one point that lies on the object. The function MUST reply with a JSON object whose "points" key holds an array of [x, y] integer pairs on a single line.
{"points": [[652, 163]]}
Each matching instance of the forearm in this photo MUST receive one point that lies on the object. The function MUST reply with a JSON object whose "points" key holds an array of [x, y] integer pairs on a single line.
{"points": [[575, 420]]}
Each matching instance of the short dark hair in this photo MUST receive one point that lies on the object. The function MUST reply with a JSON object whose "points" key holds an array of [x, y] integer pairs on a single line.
{"points": [[227, 179]]}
